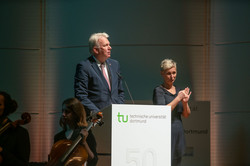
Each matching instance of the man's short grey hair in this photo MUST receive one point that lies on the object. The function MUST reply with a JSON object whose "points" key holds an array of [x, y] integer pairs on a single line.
{"points": [[167, 64], [93, 40]]}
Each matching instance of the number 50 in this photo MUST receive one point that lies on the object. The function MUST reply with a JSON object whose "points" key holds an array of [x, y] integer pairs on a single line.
{"points": [[137, 157]]}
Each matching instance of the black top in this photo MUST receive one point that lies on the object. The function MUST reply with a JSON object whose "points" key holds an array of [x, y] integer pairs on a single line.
{"points": [[16, 146], [163, 97]]}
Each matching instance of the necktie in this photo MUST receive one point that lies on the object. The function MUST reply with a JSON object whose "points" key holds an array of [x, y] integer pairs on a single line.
{"points": [[105, 75]]}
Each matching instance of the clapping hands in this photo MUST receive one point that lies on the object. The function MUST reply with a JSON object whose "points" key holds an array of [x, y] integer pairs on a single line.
{"points": [[185, 94]]}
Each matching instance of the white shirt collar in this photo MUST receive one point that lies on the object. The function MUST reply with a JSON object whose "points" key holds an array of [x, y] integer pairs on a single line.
{"points": [[99, 63]]}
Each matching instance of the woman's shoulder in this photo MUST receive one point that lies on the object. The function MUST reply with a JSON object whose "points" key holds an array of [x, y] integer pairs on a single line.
{"points": [[59, 136], [21, 130], [159, 89], [60, 133], [18, 132]]}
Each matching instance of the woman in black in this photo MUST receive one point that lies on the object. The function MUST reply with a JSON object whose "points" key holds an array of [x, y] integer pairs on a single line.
{"points": [[14, 142], [168, 94], [73, 122]]}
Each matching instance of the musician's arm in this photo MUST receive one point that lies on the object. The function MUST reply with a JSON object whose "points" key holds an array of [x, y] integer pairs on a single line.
{"points": [[86, 146]]}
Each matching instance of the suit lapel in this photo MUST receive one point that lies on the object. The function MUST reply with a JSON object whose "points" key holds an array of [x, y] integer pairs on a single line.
{"points": [[95, 67], [99, 73], [109, 67]]}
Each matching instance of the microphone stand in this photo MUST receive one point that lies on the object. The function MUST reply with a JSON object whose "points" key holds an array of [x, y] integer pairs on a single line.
{"points": [[126, 87]]}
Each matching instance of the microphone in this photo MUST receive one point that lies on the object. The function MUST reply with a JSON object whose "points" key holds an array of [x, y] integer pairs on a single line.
{"points": [[126, 87]]}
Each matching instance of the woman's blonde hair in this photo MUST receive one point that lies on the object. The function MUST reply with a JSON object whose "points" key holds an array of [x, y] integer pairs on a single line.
{"points": [[168, 64]]}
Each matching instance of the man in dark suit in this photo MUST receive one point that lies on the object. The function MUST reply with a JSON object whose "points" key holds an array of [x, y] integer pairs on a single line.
{"points": [[98, 82]]}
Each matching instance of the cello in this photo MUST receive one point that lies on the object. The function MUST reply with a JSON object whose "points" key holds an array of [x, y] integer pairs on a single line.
{"points": [[70, 153], [26, 118]]}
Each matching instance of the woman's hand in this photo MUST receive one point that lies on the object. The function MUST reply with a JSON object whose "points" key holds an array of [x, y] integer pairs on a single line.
{"points": [[181, 95], [85, 135], [187, 94], [184, 95]]}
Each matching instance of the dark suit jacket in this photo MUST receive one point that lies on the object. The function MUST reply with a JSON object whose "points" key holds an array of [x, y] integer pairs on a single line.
{"points": [[92, 89]]}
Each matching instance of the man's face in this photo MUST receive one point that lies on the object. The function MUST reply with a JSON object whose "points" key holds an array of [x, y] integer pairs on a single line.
{"points": [[104, 50]]}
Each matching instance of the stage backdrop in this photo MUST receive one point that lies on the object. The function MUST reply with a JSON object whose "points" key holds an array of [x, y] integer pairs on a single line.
{"points": [[197, 133]]}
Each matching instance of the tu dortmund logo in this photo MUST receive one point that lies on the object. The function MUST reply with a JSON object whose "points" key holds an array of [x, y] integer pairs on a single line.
{"points": [[122, 118]]}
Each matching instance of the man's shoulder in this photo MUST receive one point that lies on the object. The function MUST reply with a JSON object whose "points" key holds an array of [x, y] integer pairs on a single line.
{"points": [[86, 62]]}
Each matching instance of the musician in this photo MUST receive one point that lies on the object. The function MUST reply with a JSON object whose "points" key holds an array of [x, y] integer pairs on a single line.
{"points": [[72, 121], [14, 142]]}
